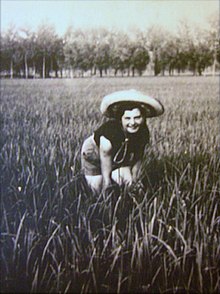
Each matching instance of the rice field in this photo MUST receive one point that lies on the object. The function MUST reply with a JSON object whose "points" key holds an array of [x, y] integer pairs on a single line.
{"points": [[161, 236]]}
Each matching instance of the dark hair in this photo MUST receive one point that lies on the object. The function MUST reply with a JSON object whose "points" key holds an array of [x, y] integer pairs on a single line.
{"points": [[118, 109]]}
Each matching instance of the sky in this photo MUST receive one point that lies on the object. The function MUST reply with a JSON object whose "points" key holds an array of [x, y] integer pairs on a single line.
{"points": [[112, 14]]}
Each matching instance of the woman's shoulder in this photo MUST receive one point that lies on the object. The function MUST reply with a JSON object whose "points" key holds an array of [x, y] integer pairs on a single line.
{"points": [[110, 129], [109, 125]]}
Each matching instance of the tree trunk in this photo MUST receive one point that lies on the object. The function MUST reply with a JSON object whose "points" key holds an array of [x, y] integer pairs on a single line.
{"points": [[44, 67], [71, 73], [170, 70], [34, 70], [26, 66], [132, 71], [51, 66], [156, 67], [11, 70], [199, 70], [214, 66]]}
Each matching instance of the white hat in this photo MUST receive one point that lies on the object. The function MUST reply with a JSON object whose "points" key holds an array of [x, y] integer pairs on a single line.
{"points": [[111, 102]]}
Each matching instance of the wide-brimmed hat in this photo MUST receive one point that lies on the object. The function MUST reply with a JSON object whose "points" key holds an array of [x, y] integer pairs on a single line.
{"points": [[111, 103]]}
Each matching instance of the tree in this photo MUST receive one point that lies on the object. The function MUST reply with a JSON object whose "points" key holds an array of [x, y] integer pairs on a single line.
{"points": [[46, 40], [68, 49], [56, 56], [198, 48], [27, 45], [85, 51], [101, 49], [5, 56], [155, 42], [78, 51], [9, 50], [201, 53], [186, 48], [139, 60], [120, 52], [25, 53], [214, 39]]}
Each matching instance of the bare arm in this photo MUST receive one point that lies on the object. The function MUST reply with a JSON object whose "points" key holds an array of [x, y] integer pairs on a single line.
{"points": [[106, 160], [136, 169]]}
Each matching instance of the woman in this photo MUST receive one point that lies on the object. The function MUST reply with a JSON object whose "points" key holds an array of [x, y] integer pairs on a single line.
{"points": [[115, 150]]}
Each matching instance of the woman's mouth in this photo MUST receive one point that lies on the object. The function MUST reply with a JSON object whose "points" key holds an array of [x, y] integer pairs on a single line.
{"points": [[133, 128]]}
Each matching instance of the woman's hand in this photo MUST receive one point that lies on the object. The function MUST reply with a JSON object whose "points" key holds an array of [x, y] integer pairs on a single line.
{"points": [[106, 183]]}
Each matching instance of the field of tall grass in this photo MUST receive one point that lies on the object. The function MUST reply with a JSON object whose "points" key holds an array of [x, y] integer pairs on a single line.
{"points": [[159, 237]]}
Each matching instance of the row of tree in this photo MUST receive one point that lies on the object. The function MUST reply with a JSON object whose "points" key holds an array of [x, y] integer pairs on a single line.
{"points": [[25, 53]]}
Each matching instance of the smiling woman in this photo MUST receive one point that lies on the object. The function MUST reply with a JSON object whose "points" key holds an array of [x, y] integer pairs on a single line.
{"points": [[132, 120], [113, 153]]}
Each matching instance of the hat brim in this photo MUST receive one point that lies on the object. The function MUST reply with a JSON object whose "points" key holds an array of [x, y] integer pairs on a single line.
{"points": [[111, 103]]}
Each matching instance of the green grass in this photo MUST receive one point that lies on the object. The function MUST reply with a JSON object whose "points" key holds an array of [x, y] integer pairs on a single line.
{"points": [[57, 237]]}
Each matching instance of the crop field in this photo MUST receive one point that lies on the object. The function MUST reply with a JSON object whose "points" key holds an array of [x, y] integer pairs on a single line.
{"points": [[159, 237]]}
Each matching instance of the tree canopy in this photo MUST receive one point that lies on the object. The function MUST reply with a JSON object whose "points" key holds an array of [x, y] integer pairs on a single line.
{"points": [[42, 53]]}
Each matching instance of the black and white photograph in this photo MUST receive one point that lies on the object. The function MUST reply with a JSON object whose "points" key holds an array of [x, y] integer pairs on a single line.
{"points": [[110, 146]]}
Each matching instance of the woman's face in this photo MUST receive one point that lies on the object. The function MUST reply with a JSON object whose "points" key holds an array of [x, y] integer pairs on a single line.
{"points": [[132, 120]]}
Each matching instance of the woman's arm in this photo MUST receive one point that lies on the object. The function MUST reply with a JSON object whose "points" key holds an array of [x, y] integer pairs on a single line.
{"points": [[136, 169], [106, 160]]}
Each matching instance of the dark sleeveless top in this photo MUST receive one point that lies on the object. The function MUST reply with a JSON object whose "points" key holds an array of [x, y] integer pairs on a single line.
{"points": [[126, 148]]}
